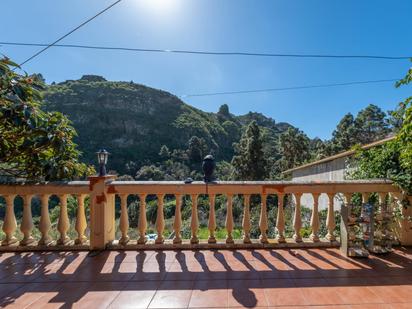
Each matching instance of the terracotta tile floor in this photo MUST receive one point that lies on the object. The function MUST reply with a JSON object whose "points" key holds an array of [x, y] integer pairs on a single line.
{"points": [[305, 278]]}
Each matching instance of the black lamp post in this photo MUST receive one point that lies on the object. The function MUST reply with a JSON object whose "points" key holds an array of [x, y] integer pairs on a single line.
{"points": [[208, 167], [102, 156]]}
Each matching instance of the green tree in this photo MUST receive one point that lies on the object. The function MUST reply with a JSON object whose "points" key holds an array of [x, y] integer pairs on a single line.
{"points": [[164, 152], [344, 136], [294, 148], [224, 170], [197, 149], [249, 161], [35, 145], [150, 172], [371, 124], [232, 130], [317, 148]]}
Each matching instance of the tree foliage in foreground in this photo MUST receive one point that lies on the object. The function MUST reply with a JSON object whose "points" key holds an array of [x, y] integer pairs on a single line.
{"points": [[34, 145], [392, 160]]}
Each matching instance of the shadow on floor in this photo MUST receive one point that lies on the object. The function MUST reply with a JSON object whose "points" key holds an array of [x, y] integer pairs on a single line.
{"points": [[65, 278]]}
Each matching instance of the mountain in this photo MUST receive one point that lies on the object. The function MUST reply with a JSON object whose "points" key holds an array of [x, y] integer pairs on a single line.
{"points": [[133, 121]]}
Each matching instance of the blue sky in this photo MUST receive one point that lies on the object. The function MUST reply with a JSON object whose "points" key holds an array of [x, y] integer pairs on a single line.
{"points": [[322, 27]]}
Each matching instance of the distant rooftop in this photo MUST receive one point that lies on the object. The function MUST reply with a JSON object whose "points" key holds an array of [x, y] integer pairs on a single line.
{"points": [[340, 155]]}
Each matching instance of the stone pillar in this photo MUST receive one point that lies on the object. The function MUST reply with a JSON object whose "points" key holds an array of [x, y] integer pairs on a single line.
{"points": [[10, 224], [212, 220], [177, 223], [124, 220], [297, 218], [314, 220], [280, 220], [246, 220], [81, 222], [45, 224], [263, 220], [330, 219], [102, 219]]}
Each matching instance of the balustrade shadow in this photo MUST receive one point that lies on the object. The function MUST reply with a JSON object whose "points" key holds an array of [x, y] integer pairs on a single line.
{"points": [[69, 276]]}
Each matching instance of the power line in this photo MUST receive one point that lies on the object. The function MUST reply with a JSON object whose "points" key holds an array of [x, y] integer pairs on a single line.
{"points": [[289, 88], [47, 46], [201, 52]]}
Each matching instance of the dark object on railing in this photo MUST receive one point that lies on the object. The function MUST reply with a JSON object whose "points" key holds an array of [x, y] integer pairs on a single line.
{"points": [[102, 156], [188, 180], [208, 167]]}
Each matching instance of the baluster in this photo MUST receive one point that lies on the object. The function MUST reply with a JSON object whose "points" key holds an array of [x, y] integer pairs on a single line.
{"points": [[195, 221], [280, 220], [348, 201], [229, 219], [382, 202], [160, 219], [63, 224], [212, 220], [314, 220], [246, 220], [177, 224], [330, 220], [393, 201], [382, 197], [297, 218], [45, 224], [263, 220], [81, 223], [9, 224], [27, 221], [381, 207], [124, 220], [365, 197], [142, 226]]}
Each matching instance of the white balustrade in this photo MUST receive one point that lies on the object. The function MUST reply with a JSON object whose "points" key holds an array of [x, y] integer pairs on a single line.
{"points": [[212, 220], [177, 224], [280, 219], [246, 220], [103, 193], [124, 220], [10, 224], [194, 225], [45, 224], [229, 219], [314, 220], [263, 220], [160, 219], [297, 218], [26, 225]]}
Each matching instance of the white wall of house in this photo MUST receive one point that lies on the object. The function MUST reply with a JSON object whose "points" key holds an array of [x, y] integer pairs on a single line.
{"points": [[327, 171], [331, 170]]}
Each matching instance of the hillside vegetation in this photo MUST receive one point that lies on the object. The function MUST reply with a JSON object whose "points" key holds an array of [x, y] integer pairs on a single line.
{"points": [[133, 122], [153, 135]]}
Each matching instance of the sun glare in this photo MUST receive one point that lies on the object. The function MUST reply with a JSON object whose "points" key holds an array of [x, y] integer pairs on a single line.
{"points": [[159, 6]]}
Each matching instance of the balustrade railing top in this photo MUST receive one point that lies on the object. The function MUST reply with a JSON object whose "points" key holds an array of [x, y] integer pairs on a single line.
{"points": [[254, 187]]}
